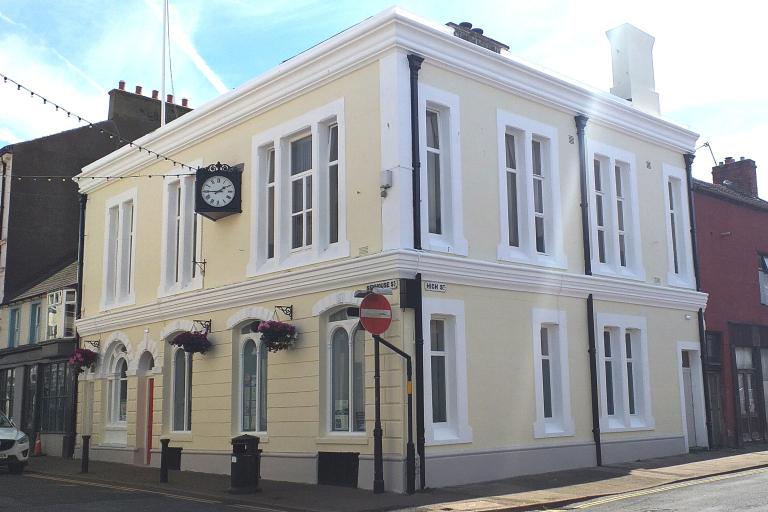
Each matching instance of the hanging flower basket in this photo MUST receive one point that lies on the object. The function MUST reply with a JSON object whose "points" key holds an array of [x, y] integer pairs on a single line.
{"points": [[192, 341], [277, 335], [83, 359]]}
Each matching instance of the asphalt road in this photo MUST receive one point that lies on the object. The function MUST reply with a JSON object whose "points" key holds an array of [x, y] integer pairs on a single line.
{"points": [[37, 493], [738, 491]]}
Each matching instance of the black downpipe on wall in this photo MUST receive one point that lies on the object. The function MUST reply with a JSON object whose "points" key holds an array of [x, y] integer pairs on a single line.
{"points": [[78, 314], [688, 157], [414, 63], [581, 124]]}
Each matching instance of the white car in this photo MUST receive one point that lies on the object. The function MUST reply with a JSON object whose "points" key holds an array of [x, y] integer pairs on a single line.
{"points": [[14, 446]]}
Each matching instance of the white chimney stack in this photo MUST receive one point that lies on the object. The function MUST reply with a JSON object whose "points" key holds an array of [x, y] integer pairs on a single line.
{"points": [[632, 56]]}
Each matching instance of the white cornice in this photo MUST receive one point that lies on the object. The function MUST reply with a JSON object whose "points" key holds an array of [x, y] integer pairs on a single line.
{"points": [[353, 272], [357, 47]]}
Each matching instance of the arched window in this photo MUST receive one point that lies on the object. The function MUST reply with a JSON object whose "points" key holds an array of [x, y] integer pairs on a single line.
{"points": [[253, 382], [346, 349], [117, 388], [182, 391]]}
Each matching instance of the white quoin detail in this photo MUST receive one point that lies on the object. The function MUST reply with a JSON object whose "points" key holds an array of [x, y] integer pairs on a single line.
{"points": [[632, 59]]}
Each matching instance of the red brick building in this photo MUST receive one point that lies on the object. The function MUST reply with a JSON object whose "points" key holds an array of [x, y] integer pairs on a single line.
{"points": [[732, 232]]}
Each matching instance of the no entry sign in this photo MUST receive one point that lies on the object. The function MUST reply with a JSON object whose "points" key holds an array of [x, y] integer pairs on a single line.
{"points": [[375, 313]]}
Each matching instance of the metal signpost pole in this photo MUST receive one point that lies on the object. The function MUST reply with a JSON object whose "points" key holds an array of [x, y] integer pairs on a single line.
{"points": [[378, 458]]}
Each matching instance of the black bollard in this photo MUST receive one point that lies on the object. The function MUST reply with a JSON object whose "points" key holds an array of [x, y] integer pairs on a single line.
{"points": [[164, 460], [86, 454]]}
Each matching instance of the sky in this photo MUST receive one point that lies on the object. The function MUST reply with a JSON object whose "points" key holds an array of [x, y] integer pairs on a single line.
{"points": [[710, 57]]}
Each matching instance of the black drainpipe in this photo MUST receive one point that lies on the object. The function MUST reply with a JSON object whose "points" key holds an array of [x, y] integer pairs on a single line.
{"points": [[78, 314], [581, 124], [688, 157], [414, 63]]}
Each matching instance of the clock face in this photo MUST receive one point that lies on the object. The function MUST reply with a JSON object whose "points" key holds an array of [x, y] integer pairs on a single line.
{"points": [[217, 191]]}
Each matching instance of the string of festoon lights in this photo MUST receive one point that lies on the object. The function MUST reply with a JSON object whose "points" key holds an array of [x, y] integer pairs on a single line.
{"points": [[107, 133]]}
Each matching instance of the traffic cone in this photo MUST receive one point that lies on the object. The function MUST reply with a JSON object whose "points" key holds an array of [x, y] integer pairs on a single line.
{"points": [[38, 446]]}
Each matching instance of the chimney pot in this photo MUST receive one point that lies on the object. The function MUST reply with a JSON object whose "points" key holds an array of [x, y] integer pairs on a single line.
{"points": [[169, 98], [741, 158], [738, 175], [465, 24], [184, 102], [155, 94], [121, 85], [138, 89], [477, 31]]}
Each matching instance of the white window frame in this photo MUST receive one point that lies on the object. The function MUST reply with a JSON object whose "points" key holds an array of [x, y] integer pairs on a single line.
{"points": [[317, 122], [456, 429], [351, 326], [451, 240], [525, 132], [609, 157], [622, 420], [59, 300], [684, 278], [561, 422], [188, 250], [188, 365], [244, 338], [113, 392], [112, 294]]}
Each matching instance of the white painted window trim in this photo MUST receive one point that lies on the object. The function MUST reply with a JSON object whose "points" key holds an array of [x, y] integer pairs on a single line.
{"points": [[351, 325], [697, 380], [525, 130], [684, 278], [452, 239], [279, 137], [622, 421], [457, 429], [561, 422], [188, 365], [634, 249], [243, 339], [117, 354], [168, 284], [107, 300]]}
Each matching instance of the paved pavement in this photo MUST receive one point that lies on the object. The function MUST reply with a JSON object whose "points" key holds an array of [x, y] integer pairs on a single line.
{"points": [[735, 491], [521, 493]]}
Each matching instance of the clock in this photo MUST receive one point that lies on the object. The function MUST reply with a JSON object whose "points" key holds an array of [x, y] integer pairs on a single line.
{"points": [[218, 190]]}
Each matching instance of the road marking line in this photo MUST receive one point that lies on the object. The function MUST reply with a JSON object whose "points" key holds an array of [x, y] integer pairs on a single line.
{"points": [[121, 488], [255, 507], [668, 487]]}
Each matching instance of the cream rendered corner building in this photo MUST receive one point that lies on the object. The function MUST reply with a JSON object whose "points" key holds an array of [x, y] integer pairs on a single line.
{"points": [[326, 143]]}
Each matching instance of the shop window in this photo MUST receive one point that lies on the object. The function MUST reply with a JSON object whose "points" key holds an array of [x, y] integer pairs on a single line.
{"points": [[56, 396], [7, 390]]}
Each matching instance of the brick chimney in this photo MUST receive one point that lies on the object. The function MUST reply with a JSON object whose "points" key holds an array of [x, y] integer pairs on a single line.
{"points": [[740, 175]]}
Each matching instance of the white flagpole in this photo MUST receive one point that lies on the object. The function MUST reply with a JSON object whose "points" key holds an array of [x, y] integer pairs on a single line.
{"points": [[162, 78]]}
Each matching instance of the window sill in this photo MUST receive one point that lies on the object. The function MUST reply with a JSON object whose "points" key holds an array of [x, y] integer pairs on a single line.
{"points": [[180, 436], [605, 270], [263, 436], [116, 428], [635, 425], [439, 243], [128, 301], [168, 291], [677, 281], [343, 438], [298, 258], [542, 430], [448, 435], [511, 254]]}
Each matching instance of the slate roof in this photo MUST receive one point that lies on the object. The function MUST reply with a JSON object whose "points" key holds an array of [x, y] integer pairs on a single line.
{"points": [[728, 194], [64, 278]]}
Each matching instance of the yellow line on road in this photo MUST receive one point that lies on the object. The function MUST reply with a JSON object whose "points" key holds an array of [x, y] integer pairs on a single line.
{"points": [[663, 488]]}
